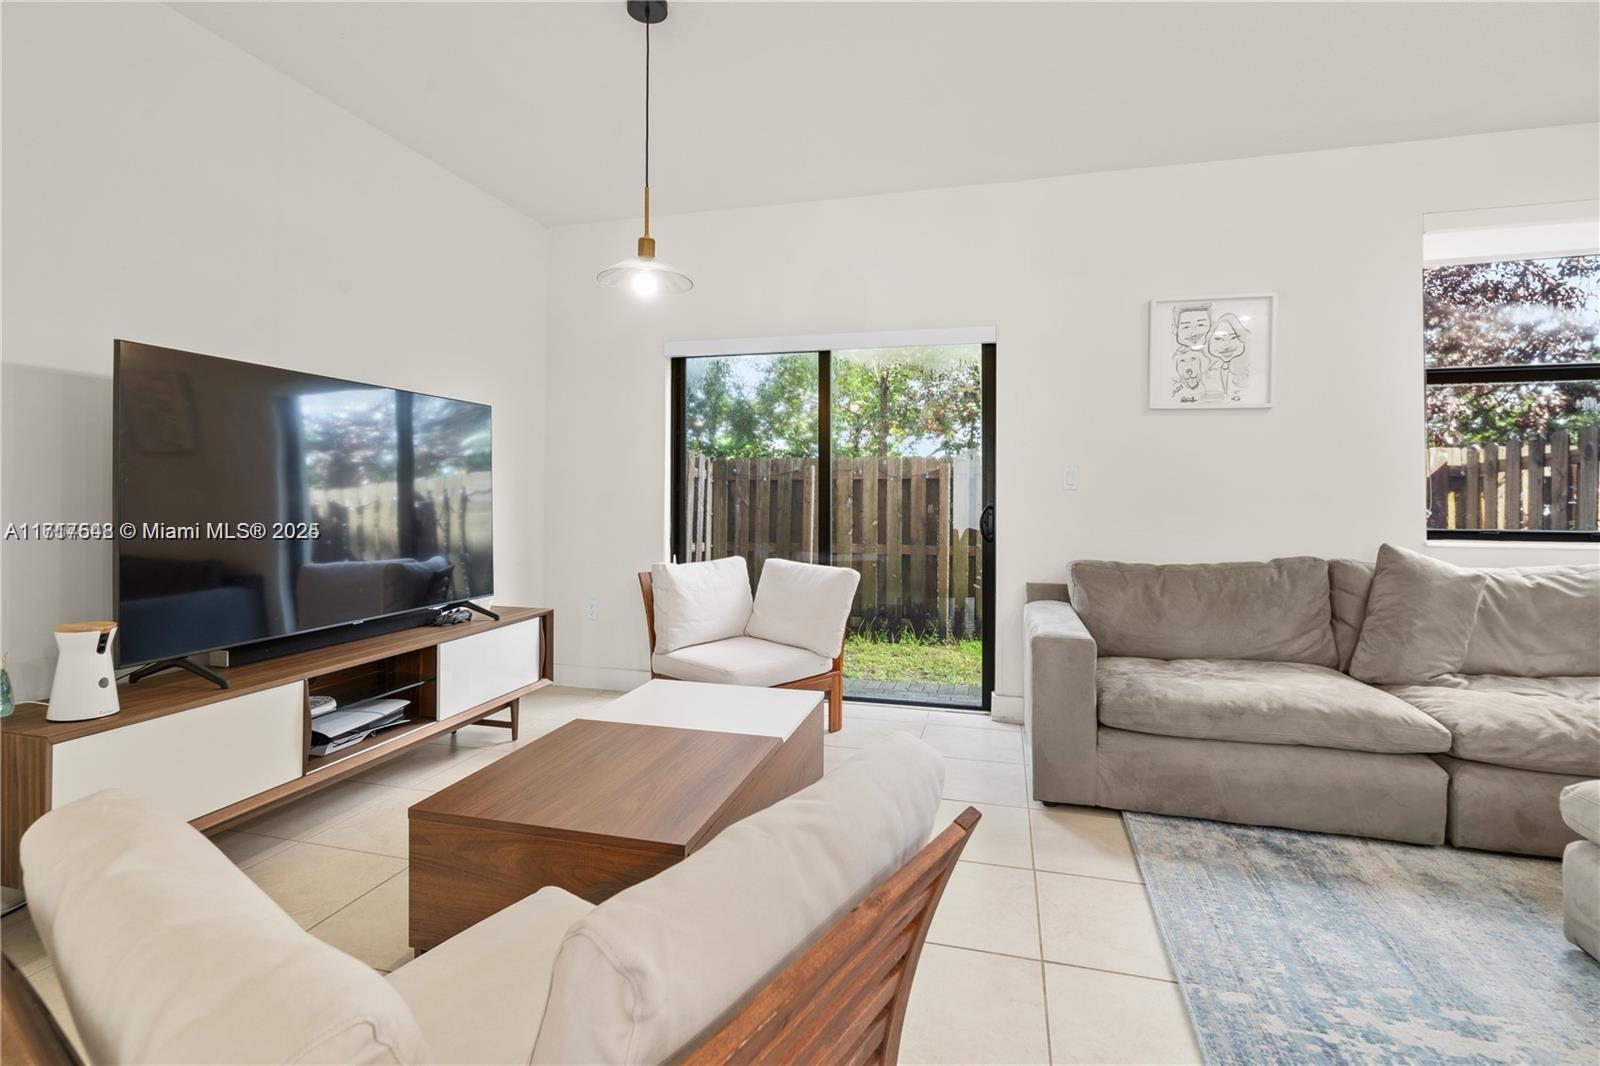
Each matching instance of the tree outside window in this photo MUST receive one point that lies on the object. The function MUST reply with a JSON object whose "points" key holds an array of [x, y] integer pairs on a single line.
{"points": [[1513, 398]]}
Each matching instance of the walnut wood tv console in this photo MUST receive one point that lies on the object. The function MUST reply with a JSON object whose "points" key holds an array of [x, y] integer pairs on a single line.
{"points": [[222, 756]]}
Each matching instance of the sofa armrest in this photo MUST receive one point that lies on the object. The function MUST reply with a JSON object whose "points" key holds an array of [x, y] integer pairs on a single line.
{"points": [[1059, 701]]}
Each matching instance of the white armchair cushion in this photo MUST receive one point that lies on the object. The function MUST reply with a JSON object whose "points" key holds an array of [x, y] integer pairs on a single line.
{"points": [[658, 965], [741, 661], [478, 997], [699, 602], [168, 953], [803, 605]]}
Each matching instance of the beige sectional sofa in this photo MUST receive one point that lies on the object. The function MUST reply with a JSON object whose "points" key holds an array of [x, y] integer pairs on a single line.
{"points": [[1225, 691]]}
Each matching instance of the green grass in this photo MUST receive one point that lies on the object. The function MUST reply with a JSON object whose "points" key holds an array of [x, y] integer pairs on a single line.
{"points": [[952, 663]]}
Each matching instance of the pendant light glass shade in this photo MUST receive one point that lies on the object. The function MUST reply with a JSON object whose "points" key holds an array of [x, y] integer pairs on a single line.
{"points": [[644, 277]]}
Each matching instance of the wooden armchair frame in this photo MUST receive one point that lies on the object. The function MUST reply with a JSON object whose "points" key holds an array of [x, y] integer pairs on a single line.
{"points": [[844, 999], [831, 682]]}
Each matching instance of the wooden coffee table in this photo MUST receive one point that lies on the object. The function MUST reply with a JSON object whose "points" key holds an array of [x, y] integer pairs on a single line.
{"points": [[608, 800]]}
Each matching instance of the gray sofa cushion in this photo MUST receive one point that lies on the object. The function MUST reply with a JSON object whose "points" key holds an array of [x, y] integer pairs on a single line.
{"points": [[1420, 614], [1260, 703], [1537, 621], [1497, 808], [1399, 797], [1551, 728], [1349, 582], [1276, 611]]}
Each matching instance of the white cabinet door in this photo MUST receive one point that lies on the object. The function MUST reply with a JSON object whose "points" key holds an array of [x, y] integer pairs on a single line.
{"points": [[193, 762], [474, 670]]}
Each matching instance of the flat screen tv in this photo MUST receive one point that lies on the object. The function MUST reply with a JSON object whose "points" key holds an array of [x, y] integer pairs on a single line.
{"points": [[254, 504]]}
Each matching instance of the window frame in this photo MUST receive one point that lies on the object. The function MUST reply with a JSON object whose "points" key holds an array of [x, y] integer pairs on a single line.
{"points": [[678, 356], [1502, 375]]}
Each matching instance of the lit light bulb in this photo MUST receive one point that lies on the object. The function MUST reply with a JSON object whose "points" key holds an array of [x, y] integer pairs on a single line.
{"points": [[645, 283]]}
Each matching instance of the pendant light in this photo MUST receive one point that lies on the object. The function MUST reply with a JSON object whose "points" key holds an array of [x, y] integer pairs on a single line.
{"points": [[644, 274]]}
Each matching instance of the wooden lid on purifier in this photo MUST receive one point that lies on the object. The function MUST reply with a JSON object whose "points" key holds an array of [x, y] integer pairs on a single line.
{"points": [[86, 627]]}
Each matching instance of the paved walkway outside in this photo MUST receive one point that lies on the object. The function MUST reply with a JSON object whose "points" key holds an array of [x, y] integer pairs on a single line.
{"points": [[915, 692]]}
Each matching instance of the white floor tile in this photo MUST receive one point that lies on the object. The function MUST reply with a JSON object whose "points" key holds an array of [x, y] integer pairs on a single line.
{"points": [[885, 712], [461, 768], [863, 732], [1086, 841], [1106, 925], [310, 814], [984, 782], [535, 726], [424, 761], [1002, 836], [988, 908], [556, 696], [380, 827], [1098, 1017], [247, 848], [373, 928], [969, 1007], [310, 881], [991, 745]]}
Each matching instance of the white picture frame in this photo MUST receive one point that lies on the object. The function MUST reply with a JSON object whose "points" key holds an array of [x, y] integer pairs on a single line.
{"points": [[1213, 353]]}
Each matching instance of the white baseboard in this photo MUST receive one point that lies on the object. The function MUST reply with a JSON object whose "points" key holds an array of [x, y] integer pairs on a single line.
{"points": [[1005, 708], [606, 678]]}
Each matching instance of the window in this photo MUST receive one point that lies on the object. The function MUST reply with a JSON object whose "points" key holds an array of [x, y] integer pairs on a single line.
{"points": [[1512, 356]]}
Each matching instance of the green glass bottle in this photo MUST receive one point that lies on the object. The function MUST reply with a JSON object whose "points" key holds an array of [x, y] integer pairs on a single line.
{"points": [[7, 701]]}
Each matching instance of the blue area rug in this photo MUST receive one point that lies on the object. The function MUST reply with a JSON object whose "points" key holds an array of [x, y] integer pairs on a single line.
{"points": [[1307, 948]]}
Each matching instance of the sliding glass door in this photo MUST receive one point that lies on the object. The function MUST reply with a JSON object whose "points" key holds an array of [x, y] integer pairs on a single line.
{"points": [[877, 459]]}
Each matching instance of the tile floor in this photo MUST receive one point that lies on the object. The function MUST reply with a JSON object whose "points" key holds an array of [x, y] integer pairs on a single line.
{"points": [[1043, 950]]}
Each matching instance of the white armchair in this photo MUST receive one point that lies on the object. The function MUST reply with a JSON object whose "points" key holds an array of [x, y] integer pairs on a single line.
{"points": [[168, 953], [704, 625]]}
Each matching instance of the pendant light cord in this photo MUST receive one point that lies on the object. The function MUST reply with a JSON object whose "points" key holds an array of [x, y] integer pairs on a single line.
{"points": [[647, 105]]}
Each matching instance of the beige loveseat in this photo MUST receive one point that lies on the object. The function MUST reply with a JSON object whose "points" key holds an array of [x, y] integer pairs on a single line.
{"points": [[167, 953], [1225, 691]]}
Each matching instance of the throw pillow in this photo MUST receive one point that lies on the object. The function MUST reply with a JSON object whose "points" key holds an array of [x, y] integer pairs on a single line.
{"points": [[803, 605], [697, 603], [1420, 613]]}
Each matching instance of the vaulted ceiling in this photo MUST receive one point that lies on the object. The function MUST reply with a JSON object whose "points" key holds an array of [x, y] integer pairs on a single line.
{"points": [[763, 103]]}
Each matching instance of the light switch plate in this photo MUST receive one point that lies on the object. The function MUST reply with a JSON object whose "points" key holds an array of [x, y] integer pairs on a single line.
{"points": [[1069, 479]]}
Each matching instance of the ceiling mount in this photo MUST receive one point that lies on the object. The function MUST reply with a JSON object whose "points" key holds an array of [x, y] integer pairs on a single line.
{"points": [[648, 12]]}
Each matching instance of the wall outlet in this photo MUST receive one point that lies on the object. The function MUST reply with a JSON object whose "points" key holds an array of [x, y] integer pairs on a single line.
{"points": [[1069, 479], [591, 610]]}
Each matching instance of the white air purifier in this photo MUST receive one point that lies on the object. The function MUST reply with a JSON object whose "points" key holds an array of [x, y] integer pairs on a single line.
{"points": [[86, 682]]}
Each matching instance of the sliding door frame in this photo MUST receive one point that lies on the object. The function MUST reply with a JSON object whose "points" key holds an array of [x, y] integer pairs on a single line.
{"points": [[824, 493]]}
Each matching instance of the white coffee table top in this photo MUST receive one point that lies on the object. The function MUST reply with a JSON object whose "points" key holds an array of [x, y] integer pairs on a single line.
{"points": [[761, 712]]}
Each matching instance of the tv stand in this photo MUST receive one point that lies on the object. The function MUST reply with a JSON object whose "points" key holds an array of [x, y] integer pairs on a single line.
{"points": [[223, 756], [177, 664]]}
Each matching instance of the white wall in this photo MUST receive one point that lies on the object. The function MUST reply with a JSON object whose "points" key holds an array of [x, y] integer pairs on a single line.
{"points": [[161, 185], [1063, 268]]}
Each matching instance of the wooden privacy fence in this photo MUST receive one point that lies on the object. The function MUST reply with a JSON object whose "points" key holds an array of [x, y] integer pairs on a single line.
{"points": [[908, 525], [1547, 482]]}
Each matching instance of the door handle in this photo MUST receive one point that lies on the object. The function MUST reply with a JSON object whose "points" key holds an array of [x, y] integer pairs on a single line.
{"points": [[986, 524]]}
